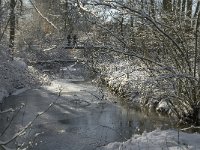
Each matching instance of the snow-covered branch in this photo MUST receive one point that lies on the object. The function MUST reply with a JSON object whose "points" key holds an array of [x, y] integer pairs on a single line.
{"points": [[45, 18]]}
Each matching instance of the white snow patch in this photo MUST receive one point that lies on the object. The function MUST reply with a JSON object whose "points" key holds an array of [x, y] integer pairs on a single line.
{"points": [[163, 106], [157, 140], [15, 75], [22, 90], [133, 81], [64, 85]]}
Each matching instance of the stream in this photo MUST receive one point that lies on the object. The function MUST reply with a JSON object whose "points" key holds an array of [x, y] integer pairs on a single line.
{"points": [[81, 118]]}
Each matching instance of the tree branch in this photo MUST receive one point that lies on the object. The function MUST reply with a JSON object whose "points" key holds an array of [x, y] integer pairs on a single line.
{"points": [[41, 15], [22, 131]]}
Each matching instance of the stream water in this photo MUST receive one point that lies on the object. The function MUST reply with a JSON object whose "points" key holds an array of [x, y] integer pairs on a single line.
{"points": [[79, 119]]}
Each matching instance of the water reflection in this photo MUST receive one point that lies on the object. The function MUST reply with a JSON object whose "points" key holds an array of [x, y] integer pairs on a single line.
{"points": [[79, 126]]}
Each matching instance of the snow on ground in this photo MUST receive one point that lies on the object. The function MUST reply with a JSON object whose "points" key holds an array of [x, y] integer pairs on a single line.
{"points": [[124, 76], [132, 81], [15, 75], [158, 140], [22, 90]]}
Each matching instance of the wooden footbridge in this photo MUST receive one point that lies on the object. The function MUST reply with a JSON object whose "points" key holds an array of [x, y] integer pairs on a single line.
{"points": [[81, 47], [68, 51]]}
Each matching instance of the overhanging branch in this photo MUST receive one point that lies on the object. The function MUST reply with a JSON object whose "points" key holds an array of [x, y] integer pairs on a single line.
{"points": [[41, 15]]}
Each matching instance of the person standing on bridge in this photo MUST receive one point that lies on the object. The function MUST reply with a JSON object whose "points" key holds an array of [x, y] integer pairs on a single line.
{"points": [[69, 40], [75, 40]]}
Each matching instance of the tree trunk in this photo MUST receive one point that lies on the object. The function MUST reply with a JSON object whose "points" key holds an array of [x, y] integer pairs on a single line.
{"points": [[0, 16], [196, 9], [195, 15], [12, 26], [121, 26], [183, 5], [188, 15], [178, 6], [189, 9], [152, 9], [197, 51], [142, 4], [66, 16]]}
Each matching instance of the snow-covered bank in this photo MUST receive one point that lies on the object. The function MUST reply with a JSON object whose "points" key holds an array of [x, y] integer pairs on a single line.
{"points": [[135, 82], [15, 75], [158, 140], [132, 81]]}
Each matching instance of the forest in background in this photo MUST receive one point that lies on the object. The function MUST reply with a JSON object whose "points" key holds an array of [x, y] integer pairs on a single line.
{"points": [[159, 37]]}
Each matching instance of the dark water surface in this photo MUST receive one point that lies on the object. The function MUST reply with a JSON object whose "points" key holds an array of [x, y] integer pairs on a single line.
{"points": [[77, 121]]}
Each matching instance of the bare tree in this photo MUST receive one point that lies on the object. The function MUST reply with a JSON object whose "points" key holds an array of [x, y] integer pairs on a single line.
{"points": [[197, 9], [177, 52], [183, 4], [189, 9], [0, 16], [12, 26], [66, 19], [152, 9]]}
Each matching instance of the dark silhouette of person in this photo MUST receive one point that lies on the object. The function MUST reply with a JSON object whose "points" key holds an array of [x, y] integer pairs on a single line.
{"points": [[69, 40], [74, 40]]}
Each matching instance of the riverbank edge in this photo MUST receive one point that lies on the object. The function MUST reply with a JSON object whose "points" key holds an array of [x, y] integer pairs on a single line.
{"points": [[27, 77], [123, 87]]}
